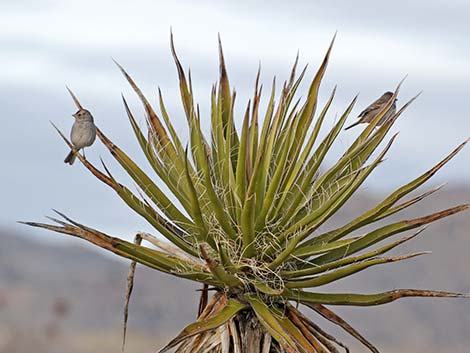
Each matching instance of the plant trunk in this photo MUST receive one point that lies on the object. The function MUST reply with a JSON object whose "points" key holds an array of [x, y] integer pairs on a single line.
{"points": [[242, 334]]}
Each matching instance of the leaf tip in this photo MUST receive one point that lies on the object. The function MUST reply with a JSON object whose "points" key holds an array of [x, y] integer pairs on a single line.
{"points": [[74, 97]]}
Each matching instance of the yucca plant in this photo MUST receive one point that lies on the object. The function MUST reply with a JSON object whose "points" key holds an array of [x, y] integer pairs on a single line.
{"points": [[249, 205]]}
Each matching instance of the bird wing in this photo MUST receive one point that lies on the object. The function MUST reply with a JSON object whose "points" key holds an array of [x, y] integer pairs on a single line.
{"points": [[377, 105], [364, 112]]}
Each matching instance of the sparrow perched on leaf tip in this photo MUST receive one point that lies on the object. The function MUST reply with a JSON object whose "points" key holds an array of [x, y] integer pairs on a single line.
{"points": [[83, 132], [368, 114]]}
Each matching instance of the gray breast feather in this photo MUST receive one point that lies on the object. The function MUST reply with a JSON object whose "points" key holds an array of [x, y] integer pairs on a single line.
{"points": [[83, 134]]}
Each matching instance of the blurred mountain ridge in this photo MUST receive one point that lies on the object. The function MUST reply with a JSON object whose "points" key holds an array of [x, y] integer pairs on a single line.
{"points": [[56, 297]]}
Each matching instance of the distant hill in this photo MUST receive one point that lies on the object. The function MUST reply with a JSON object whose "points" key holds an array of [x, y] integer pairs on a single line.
{"points": [[59, 298]]}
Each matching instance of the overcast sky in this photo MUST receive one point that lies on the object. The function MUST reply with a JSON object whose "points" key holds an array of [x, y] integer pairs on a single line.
{"points": [[47, 44]]}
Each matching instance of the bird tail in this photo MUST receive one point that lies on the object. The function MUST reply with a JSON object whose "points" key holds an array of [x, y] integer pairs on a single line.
{"points": [[70, 158], [352, 125]]}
